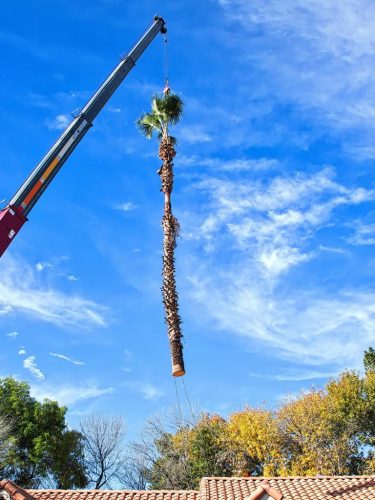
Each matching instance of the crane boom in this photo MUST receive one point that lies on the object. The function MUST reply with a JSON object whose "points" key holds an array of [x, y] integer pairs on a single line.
{"points": [[14, 215]]}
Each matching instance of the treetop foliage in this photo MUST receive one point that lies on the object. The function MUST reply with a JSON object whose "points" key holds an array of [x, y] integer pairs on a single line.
{"points": [[40, 447], [369, 359], [166, 110]]}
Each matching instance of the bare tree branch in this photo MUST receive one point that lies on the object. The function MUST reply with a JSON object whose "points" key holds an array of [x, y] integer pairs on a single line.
{"points": [[104, 449]]}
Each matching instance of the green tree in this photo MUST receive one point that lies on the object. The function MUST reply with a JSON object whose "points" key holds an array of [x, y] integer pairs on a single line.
{"points": [[166, 110], [42, 448], [208, 452], [175, 453], [369, 360]]}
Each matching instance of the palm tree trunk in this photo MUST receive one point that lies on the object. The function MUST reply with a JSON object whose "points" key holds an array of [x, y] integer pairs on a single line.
{"points": [[171, 231]]}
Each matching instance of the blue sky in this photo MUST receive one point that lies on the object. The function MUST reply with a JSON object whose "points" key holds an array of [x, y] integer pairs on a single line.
{"points": [[274, 192]]}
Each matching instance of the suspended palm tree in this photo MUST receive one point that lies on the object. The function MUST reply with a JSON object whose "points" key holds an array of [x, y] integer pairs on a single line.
{"points": [[167, 110]]}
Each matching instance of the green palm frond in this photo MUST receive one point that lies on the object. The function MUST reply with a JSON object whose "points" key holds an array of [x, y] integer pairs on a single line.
{"points": [[148, 124], [157, 105], [172, 108], [165, 110]]}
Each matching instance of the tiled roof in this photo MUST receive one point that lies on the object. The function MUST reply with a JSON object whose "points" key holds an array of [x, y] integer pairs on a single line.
{"points": [[17, 493], [221, 488], [291, 488], [114, 495], [14, 491]]}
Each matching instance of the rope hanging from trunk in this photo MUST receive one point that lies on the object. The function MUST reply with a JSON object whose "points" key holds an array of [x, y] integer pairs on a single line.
{"points": [[179, 403], [187, 397], [178, 399]]}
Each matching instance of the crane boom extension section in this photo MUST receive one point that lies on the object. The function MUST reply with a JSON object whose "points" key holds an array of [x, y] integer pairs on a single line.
{"points": [[14, 215]]}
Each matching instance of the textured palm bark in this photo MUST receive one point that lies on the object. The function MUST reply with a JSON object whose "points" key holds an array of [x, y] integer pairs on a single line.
{"points": [[171, 231]]}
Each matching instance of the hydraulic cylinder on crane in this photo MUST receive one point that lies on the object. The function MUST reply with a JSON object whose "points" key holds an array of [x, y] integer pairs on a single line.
{"points": [[14, 215]]}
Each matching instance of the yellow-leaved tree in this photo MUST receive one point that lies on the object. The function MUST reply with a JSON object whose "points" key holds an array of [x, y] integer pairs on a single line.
{"points": [[256, 441]]}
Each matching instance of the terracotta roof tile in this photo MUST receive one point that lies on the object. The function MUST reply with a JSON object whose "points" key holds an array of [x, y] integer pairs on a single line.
{"points": [[14, 491], [219, 488], [291, 488], [113, 495], [17, 493]]}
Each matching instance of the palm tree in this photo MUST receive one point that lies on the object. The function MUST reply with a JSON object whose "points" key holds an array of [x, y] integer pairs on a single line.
{"points": [[167, 110]]}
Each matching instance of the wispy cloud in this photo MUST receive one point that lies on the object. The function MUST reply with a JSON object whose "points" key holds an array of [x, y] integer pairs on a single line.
{"points": [[295, 376], [43, 265], [69, 394], [126, 206], [147, 390], [72, 277], [274, 219], [22, 351], [194, 134], [30, 364], [233, 165], [22, 292], [44, 49], [364, 234], [258, 240], [60, 122], [305, 56], [5, 309], [314, 327], [112, 109], [25, 45], [66, 358], [12, 335]]}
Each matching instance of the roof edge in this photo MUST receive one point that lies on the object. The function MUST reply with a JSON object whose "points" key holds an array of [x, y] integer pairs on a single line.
{"points": [[262, 478], [109, 491], [15, 492]]}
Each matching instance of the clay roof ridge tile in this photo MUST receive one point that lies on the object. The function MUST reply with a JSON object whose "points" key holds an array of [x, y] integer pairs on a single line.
{"points": [[12, 489]]}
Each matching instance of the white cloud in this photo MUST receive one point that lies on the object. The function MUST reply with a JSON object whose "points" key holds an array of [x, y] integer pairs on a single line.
{"points": [[43, 265], [30, 364], [66, 358], [5, 309], [305, 326], [245, 243], [364, 234], [278, 260], [12, 335], [69, 394], [232, 165], [295, 376], [22, 292], [147, 390], [313, 55], [60, 122], [193, 134], [275, 218], [71, 277], [112, 109], [22, 352], [127, 206]]}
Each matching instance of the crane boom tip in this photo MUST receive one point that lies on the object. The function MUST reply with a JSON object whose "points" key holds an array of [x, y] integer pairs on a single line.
{"points": [[163, 29]]}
